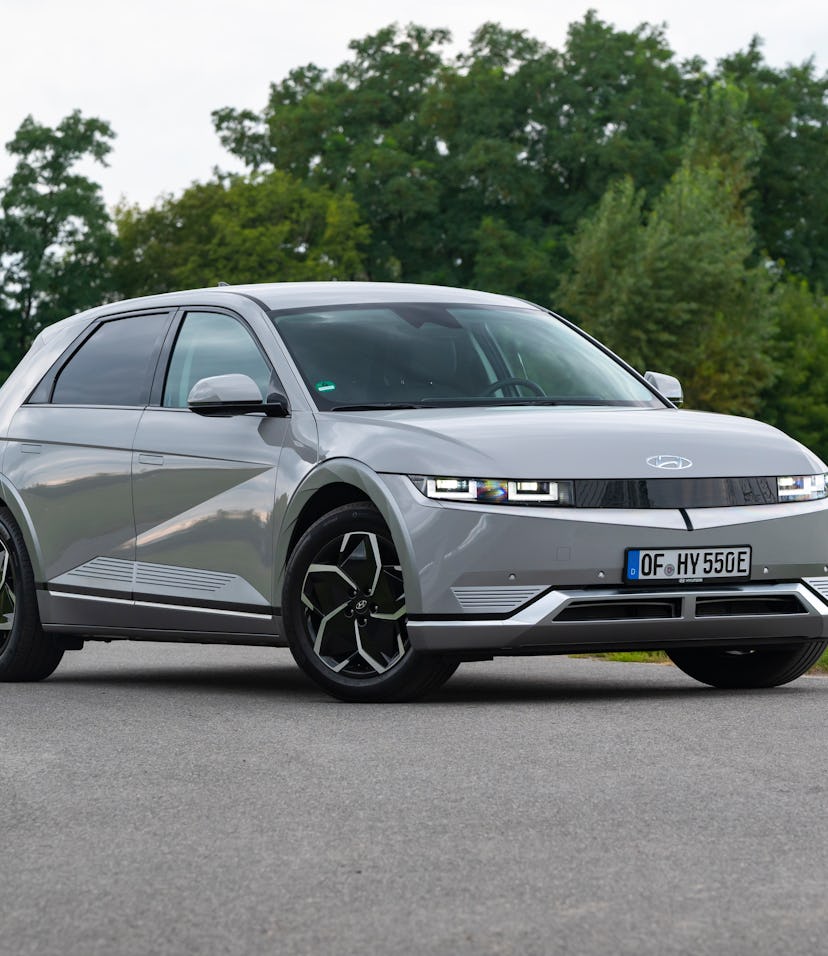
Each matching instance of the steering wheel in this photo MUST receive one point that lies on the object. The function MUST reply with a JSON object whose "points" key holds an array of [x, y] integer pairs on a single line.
{"points": [[503, 382]]}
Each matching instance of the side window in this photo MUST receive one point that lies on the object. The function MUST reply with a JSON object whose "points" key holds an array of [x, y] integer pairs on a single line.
{"points": [[114, 365], [209, 344]]}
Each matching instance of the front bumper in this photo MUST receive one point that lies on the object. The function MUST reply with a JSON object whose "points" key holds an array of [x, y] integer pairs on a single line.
{"points": [[607, 619], [519, 579]]}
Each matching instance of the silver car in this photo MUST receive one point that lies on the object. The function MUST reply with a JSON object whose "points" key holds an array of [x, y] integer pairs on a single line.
{"points": [[391, 479]]}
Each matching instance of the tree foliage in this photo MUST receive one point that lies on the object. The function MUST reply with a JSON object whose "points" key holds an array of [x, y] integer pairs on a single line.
{"points": [[357, 130], [789, 204], [56, 240], [438, 152], [257, 228], [515, 140], [675, 287], [797, 400]]}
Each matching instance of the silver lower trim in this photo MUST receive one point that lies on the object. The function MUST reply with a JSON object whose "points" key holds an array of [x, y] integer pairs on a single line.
{"points": [[101, 599], [495, 599], [536, 625], [103, 574], [820, 585]]}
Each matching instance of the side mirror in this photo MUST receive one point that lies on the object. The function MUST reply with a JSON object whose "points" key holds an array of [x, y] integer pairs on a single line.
{"points": [[234, 395], [667, 385]]}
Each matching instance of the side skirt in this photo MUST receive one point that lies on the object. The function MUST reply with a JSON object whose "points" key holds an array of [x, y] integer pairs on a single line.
{"points": [[71, 631], [104, 618]]}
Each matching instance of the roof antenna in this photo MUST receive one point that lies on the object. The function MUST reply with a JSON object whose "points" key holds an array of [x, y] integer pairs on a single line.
{"points": [[223, 283]]}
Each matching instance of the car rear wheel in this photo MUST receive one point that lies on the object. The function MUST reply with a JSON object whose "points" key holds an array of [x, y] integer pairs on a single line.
{"points": [[26, 653], [345, 613], [748, 667]]}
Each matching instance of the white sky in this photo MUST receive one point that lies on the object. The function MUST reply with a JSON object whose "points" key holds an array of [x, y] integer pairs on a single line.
{"points": [[155, 69]]}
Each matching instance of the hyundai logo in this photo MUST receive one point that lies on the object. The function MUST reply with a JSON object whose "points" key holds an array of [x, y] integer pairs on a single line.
{"points": [[669, 462]]}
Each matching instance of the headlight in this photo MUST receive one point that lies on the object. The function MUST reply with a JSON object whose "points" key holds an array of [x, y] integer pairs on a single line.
{"points": [[801, 487], [496, 490]]}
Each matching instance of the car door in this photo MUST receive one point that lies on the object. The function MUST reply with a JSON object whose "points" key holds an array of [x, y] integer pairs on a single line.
{"points": [[69, 457], [204, 488]]}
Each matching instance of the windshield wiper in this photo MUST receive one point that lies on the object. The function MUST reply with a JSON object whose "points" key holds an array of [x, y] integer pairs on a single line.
{"points": [[558, 401], [479, 402], [373, 406], [498, 402]]}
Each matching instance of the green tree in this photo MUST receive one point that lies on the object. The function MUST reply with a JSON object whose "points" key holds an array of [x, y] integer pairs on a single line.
{"points": [[514, 262], [789, 107], [797, 400], [357, 130], [678, 289], [510, 141], [491, 196], [509, 144], [56, 240], [256, 228], [607, 284], [610, 103]]}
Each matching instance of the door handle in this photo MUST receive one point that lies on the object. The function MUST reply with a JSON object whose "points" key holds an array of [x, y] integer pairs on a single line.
{"points": [[144, 459]]}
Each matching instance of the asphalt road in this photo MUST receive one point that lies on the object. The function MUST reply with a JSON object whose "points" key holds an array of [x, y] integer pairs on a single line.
{"points": [[163, 799]]}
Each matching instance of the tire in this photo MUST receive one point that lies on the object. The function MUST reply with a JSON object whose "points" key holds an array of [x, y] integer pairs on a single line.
{"points": [[26, 653], [754, 667], [344, 612]]}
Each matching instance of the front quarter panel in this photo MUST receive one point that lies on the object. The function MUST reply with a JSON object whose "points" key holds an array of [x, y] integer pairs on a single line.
{"points": [[348, 471]]}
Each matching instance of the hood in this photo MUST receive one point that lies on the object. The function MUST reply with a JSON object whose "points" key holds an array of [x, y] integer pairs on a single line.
{"points": [[560, 442]]}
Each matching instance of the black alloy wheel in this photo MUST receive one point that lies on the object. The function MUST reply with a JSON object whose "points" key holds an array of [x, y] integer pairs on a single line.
{"points": [[345, 613]]}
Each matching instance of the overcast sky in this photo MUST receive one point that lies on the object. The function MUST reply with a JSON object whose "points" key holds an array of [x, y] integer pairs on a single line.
{"points": [[155, 69]]}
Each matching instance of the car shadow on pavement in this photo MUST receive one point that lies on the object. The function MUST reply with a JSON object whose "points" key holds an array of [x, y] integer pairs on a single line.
{"points": [[599, 681], [287, 681], [259, 679], [552, 690]]}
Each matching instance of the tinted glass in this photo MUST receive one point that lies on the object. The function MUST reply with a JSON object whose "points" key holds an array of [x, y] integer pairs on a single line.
{"points": [[115, 365], [212, 344], [433, 354]]}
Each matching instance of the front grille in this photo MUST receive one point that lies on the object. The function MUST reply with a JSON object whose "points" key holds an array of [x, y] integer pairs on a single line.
{"points": [[675, 492], [743, 606], [657, 608], [653, 607]]}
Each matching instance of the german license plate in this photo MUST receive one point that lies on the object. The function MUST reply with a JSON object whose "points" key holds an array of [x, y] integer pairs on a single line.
{"points": [[685, 565]]}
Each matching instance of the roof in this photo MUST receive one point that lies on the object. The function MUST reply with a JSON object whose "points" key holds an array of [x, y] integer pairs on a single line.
{"points": [[290, 295], [298, 295]]}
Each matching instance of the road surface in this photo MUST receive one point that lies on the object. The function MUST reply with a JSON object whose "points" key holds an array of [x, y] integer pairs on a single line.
{"points": [[159, 799]]}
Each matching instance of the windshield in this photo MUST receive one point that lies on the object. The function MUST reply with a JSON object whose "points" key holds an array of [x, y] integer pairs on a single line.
{"points": [[427, 355]]}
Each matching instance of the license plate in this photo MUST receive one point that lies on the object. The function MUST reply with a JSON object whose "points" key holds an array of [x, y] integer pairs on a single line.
{"points": [[685, 565]]}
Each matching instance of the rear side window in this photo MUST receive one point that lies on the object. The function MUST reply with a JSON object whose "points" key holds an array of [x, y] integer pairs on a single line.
{"points": [[114, 365]]}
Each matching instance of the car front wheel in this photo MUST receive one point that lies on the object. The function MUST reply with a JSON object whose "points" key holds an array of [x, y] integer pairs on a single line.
{"points": [[345, 614], [753, 667]]}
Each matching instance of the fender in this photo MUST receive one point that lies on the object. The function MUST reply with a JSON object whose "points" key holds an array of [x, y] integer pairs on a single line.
{"points": [[351, 472], [21, 515]]}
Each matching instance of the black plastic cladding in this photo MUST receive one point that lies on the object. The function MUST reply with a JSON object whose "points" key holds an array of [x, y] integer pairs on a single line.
{"points": [[675, 492]]}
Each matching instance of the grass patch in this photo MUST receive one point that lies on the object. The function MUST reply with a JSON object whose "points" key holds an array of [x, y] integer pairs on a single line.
{"points": [[659, 657], [821, 666], [632, 657]]}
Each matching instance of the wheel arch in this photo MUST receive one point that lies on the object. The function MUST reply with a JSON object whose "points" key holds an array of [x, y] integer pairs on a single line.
{"points": [[337, 482], [9, 498]]}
